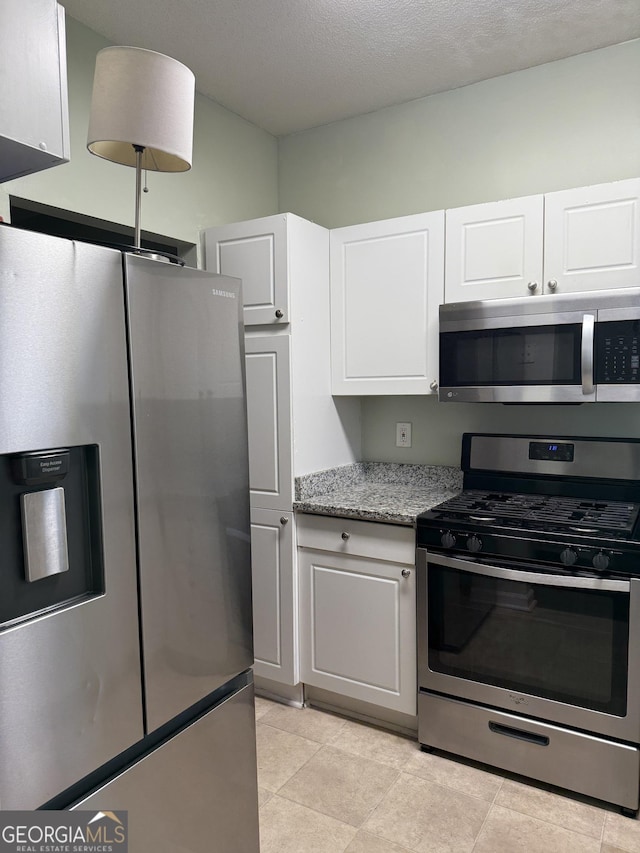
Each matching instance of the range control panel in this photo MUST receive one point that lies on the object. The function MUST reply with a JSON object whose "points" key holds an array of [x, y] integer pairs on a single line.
{"points": [[531, 552]]}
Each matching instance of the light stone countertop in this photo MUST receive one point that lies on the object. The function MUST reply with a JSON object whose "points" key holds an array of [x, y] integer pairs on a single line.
{"points": [[377, 491]]}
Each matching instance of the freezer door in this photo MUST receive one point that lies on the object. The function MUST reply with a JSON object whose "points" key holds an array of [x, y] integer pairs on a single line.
{"points": [[70, 695], [190, 435], [196, 793]]}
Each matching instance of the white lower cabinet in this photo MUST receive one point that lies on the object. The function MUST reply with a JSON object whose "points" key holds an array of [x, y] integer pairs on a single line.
{"points": [[274, 595], [357, 609]]}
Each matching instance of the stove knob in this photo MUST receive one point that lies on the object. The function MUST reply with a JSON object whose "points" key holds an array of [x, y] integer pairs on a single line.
{"points": [[601, 562], [474, 543], [448, 539], [568, 556]]}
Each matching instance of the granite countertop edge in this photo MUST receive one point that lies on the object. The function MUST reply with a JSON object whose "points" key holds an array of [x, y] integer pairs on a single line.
{"points": [[338, 511], [392, 493]]}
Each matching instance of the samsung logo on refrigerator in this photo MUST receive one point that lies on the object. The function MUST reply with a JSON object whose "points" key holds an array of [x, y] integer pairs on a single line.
{"points": [[226, 293]]}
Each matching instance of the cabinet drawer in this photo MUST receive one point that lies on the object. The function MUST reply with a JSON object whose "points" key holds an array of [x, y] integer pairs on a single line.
{"points": [[391, 542]]}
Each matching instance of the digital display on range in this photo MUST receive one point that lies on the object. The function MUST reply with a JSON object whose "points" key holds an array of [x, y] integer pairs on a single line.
{"points": [[551, 451]]}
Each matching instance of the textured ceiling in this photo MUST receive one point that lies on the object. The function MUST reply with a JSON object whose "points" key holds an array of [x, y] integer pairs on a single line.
{"points": [[288, 65]]}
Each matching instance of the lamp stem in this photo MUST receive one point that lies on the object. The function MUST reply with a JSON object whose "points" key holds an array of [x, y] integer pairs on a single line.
{"points": [[136, 237]]}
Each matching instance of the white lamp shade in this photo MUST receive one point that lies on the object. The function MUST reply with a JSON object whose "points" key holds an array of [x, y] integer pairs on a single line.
{"points": [[142, 98]]}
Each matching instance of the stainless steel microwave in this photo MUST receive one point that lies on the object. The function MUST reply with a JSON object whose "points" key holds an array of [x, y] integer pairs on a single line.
{"points": [[560, 348]]}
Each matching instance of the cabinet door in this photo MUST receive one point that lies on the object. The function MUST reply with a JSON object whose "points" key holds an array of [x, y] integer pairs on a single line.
{"points": [[386, 285], [33, 96], [256, 252], [494, 250], [274, 595], [269, 420], [592, 237], [357, 628]]}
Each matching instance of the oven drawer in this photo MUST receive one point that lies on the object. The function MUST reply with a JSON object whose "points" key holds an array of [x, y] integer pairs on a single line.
{"points": [[569, 759], [393, 543]]}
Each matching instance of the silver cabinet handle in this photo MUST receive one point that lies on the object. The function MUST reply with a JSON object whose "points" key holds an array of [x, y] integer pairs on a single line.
{"points": [[433, 385], [279, 314], [346, 536], [552, 285], [533, 286], [406, 573], [284, 520], [586, 353]]}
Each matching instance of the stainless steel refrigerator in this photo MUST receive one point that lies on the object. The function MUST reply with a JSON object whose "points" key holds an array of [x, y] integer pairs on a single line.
{"points": [[125, 591]]}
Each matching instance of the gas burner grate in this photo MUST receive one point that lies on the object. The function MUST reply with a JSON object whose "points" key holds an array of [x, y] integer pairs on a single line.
{"points": [[575, 513]]}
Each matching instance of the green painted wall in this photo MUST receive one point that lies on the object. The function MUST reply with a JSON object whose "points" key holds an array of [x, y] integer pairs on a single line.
{"points": [[565, 124], [569, 123], [437, 427], [234, 173]]}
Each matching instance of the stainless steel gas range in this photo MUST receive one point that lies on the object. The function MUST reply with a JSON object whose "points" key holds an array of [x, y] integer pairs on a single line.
{"points": [[529, 613]]}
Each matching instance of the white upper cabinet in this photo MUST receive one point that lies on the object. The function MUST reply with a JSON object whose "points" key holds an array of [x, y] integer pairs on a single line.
{"points": [[256, 252], [34, 125], [386, 284], [494, 250], [592, 237], [574, 240]]}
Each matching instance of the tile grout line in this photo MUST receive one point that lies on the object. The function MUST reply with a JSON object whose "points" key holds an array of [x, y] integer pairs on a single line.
{"points": [[486, 817], [302, 765], [543, 820], [453, 788], [322, 814], [357, 828], [516, 810], [372, 810], [375, 834], [611, 844]]}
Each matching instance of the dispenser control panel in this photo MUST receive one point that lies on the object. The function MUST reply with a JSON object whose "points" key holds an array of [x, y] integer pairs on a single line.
{"points": [[34, 469]]}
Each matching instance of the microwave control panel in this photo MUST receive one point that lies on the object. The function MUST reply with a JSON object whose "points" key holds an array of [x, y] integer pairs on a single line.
{"points": [[618, 352]]}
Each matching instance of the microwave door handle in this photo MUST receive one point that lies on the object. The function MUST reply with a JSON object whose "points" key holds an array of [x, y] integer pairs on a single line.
{"points": [[586, 360]]}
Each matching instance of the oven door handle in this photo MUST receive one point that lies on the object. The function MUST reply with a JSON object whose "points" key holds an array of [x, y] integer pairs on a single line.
{"points": [[586, 353], [570, 582]]}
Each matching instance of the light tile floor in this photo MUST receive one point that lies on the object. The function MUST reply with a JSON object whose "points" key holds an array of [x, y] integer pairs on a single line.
{"points": [[332, 785]]}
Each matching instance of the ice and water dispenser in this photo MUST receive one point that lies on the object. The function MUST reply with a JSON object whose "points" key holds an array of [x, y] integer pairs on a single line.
{"points": [[49, 530]]}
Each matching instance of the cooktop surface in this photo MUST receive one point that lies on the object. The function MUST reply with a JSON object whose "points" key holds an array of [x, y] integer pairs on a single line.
{"points": [[544, 512]]}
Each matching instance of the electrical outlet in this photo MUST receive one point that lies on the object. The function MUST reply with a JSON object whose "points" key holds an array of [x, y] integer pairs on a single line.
{"points": [[403, 435]]}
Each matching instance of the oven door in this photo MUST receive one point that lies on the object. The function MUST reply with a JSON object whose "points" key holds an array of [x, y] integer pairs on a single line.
{"points": [[546, 358], [554, 647]]}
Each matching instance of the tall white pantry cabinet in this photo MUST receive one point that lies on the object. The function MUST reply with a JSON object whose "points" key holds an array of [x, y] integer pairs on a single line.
{"points": [[295, 426]]}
